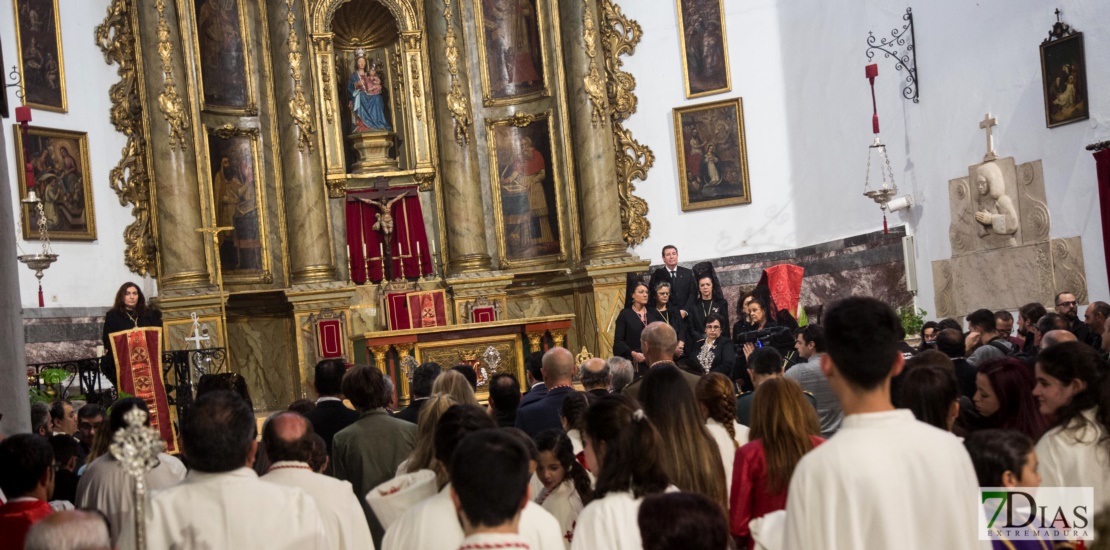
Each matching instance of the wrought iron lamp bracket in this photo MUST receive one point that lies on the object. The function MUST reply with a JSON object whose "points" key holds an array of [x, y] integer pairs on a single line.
{"points": [[903, 49]]}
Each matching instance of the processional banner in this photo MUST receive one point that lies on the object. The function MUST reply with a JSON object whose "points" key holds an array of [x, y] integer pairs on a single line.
{"points": [[138, 354]]}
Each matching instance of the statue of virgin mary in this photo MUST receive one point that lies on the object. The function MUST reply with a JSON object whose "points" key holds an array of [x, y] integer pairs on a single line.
{"points": [[365, 90]]}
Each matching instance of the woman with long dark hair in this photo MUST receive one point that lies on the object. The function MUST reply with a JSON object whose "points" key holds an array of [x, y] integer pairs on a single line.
{"points": [[1073, 390], [784, 428], [1004, 397], [129, 311], [625, 450], [630, 323], [693, 462]]}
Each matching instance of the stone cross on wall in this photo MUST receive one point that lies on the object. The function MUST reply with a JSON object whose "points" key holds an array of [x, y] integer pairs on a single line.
{"points": [[1002, 255], [986, 124]]}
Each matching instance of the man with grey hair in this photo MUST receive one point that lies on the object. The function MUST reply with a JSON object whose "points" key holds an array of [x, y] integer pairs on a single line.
{"points": [[40, 419], [621, 373], [1095, 319], [390, 398], [1053, 337], [658, 342], [70, 530], [558, 375], [595, 376]]}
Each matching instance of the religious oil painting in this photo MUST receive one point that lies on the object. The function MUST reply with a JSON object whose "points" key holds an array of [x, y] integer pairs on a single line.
{"points": [[525, 189], [223, 56], [60, 164], [712, 155], [236, 199], [39, 48], [701, 25], [1064, 72], [510, 40]]}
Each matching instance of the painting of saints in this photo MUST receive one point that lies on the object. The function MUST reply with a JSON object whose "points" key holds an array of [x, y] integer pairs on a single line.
{"points": [[712, 155], [512, 40], [1064, 74], [222, 59], [705, 56], [40, 55], [61, 183], [236, 191], [526, 186], [364, 89]]}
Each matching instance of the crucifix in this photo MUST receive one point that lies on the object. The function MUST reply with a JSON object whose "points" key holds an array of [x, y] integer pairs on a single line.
{"points": [[215, 232], [986, 124], [384, 223], [199, 336]]}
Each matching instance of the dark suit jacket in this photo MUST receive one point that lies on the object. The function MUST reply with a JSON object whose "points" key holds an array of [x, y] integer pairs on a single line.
{"points": [[533, 395], [329, 417], [965, 376], [633, 390], [724, 356], [411, 413], [744, 406], [683, 287], [598, 392], [543, 414]]}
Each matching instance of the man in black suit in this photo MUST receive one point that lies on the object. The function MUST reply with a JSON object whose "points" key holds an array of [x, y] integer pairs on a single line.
{"points": [[422, 379], [504, 398], [545, 414], [595, 376], [533, 369], [330, 414], [683, 287]]}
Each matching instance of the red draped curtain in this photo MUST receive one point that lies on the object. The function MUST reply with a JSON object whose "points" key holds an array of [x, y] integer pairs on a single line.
{"points": [[1102, 168], [409, 250]]}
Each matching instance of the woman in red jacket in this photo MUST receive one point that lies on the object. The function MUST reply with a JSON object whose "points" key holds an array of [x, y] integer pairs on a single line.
{"points": [[784, 428]]}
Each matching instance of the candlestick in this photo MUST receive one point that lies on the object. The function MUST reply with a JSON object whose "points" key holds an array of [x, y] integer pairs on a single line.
{"points": [[419, 264], [381, 257], [350, 274]]}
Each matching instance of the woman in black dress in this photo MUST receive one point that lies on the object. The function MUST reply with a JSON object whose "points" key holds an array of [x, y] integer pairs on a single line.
{"points": [[660, 309], [709, 301], [630, 323], [724, 351], [129, 311]]}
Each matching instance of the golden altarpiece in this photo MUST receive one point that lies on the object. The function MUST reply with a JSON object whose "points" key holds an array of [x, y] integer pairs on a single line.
{"points": [[255, 128]]}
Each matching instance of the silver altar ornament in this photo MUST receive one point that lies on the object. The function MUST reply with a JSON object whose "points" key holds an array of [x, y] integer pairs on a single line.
{"points": [[136, 447], [493, 359], [705, 357]]}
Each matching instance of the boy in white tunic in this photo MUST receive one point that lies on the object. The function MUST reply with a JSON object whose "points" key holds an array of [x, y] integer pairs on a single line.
{"points": [[433, 524], [489, 488], [885, 480]]}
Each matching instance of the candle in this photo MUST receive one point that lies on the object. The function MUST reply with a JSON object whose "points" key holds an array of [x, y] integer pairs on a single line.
{"points": [[381, 257]]}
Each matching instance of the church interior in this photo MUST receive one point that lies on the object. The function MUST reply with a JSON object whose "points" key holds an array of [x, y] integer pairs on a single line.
{"points": [[295, 179]]}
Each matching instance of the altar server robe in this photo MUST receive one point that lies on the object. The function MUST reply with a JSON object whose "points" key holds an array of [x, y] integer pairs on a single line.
{"points": [[107, 488], [231, 510], [564, 504], [434, 525], [727, 445], [1076, 458], [340, 509], [885, 481], [485, 541], [609, 522]]}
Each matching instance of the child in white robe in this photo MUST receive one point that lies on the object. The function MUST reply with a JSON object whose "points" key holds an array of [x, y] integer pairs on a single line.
{"points": [[566, 485], [625, 449]]}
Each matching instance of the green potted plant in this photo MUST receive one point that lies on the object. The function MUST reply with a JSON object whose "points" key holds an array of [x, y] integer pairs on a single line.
{"points": [[912, 321]]}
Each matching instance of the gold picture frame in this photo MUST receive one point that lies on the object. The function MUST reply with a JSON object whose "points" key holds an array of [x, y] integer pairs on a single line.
{"points": [[251, 108], [68, 203], [711, 137], [263, 274], [35, 65], [488, 97], [466, 350], [512, 250], [1064, 79], [708, 79]]}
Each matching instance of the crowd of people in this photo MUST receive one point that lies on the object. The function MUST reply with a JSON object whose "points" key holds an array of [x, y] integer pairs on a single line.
{"points": [[847, 440]]}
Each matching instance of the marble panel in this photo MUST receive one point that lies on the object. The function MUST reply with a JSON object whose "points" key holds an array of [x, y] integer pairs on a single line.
{"points": [[52, 352], [1035, 220], [1068, 270], [1005, 278], [262, 350]]}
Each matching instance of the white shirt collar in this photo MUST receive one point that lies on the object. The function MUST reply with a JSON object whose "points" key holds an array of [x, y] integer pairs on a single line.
{"points": [[328, 398]]}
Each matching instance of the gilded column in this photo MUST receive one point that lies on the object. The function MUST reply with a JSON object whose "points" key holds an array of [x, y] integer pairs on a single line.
{"points": [[306, 214], [591, 130], [172, 148], [458, 156]]}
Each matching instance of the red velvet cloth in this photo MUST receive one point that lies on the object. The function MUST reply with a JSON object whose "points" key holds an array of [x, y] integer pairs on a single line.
{"points": [[785, 283], [408, 237], [1102, 168], [16, 518], [750, 498]]}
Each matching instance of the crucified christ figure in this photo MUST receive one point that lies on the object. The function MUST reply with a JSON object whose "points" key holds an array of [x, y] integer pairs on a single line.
{"points": [[384, 219]]}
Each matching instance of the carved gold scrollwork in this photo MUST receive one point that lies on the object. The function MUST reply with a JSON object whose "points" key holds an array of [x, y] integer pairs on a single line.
{"points": [[230, 130], [619, 37], [169, 102], [298, 105], [425, 180], [593, 82], [337, 188], [129, 178], [521, 120], [397, 66], [323, 45], [457, 103]]}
